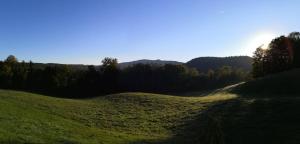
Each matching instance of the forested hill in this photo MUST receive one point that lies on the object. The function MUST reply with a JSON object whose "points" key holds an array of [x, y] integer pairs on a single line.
{"points": [[146, 61], [202, 63], [206, 63]]}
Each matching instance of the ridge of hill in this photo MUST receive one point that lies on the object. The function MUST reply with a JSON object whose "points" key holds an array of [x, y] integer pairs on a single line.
{"points": [[206, 63]]}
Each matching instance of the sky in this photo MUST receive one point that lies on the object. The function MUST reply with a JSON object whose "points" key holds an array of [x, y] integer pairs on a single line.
{"points": [[86, 31]]}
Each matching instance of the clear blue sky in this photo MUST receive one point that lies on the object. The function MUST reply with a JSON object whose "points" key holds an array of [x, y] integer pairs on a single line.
{"points": [[85, 31]]}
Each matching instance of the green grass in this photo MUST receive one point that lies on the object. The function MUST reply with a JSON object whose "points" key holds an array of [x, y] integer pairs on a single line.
{"points": [[261, 111], [259, 121], [266, 110], [119, 118]]}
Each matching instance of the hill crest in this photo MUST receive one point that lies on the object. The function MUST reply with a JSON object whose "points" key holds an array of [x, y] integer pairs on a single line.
{"points": [[206, 63]]}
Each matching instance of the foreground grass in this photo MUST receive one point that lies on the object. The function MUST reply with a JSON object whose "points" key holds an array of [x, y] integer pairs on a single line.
{"points": [[259, 121], [119, 118], [261, 111], [266, 110]]}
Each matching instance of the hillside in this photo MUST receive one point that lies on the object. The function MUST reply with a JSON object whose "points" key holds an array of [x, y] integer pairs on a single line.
{"points": [[145, 61], [205, 63], [237, 114], [119, 118], [267, 110], [279, 84]]}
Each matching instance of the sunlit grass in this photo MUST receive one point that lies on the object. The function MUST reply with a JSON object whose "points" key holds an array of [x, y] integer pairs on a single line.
{"points": [[118, 118]]}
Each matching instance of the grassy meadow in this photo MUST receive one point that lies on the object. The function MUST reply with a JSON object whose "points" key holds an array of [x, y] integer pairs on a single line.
{"points": [[119, 118], [236, 114]]}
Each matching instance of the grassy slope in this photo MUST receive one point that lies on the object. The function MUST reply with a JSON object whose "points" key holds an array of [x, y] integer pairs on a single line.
{"points": [[261, 111], [119, 118], [267, 110], [285, 83], [259, 121]]}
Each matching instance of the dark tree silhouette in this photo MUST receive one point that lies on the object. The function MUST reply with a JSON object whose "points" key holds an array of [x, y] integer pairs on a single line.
{"points": [[11, 59], [295, 40], [62, 80], [258, 62], [282, 54], [110, 74]]}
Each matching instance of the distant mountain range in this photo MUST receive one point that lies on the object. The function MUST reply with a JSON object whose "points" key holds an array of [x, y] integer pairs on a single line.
{"points": [[202, 64], [121, 65]]}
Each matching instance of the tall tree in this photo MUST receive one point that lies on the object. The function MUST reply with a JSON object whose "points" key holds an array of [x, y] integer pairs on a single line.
{"points": [[295, 39], [258, 62], [110, 74], [279, 54]]}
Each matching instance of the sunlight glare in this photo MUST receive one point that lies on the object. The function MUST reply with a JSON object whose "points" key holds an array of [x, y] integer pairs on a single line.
{"points": [[261, 39]]}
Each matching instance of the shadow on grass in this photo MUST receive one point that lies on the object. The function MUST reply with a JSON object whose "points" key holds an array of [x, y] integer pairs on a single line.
{"points": [[244, 121], [205, 128], [277, 85]]}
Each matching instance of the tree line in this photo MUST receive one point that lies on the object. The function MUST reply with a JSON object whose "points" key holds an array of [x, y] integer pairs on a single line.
{"points": [[61, 80], [283, 53]]}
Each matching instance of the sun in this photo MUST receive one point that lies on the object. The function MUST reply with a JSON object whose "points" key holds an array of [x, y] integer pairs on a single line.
{"points": [[259, 40]]}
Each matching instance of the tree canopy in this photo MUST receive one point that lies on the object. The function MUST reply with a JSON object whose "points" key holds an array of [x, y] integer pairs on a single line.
{"points": [[283, 53]]}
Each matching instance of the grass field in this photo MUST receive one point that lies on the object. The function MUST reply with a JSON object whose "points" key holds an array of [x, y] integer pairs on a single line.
{"points": [[119, 118], [247, 113]]}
